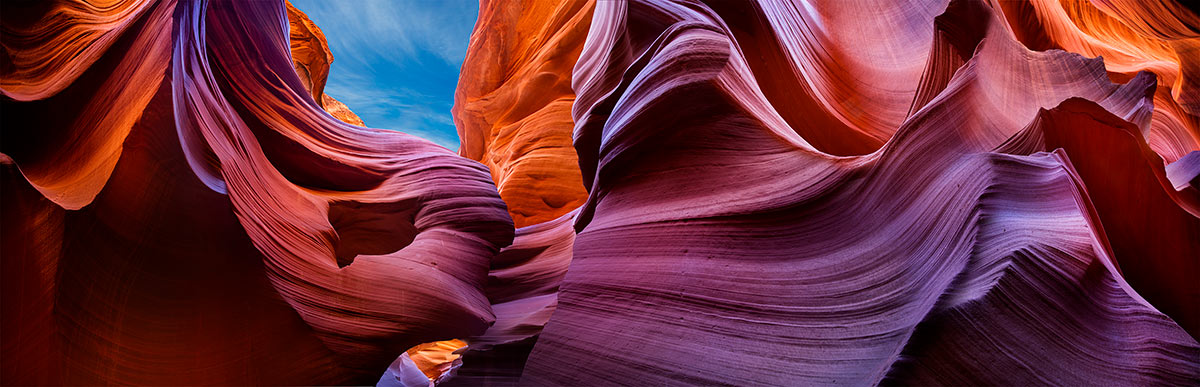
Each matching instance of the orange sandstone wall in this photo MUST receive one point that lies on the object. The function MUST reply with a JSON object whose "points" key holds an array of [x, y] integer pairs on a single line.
{"points": [[513, 104]]}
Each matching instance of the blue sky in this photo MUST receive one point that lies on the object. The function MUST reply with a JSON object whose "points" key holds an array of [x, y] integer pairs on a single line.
{"points": [[396, 62]]}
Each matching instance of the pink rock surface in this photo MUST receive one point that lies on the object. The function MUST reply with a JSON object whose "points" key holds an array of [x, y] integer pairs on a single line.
{"points": [[226, 229], [778, 192], [719, 246], [1157, 36], [523, 288]]}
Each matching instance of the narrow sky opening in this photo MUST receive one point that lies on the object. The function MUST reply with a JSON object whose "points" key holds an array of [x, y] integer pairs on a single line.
{"points": [[396, 62]]}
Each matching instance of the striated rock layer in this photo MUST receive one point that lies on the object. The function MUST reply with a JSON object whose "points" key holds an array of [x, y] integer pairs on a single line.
{"points": [[512, 109], [1158, 36], [779, 192], [523, 288], [189, 214], [513, 104], [721, 243]]}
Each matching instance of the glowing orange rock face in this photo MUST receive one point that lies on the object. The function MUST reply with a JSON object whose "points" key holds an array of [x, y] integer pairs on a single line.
{"points": [[80, 31], [513, 104], [48, 47], [513, 111], [437, 358], [1159, 36], [782, 192]]}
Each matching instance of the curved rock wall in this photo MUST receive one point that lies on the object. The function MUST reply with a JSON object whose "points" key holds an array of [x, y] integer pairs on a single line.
{"points": [[513, 104], [719, 245], [648, 192], [222, 228]]}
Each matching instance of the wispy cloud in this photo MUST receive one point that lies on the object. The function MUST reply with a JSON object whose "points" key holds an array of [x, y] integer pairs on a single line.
{"points": [[399, 109], [396, 63], [395, 30]]}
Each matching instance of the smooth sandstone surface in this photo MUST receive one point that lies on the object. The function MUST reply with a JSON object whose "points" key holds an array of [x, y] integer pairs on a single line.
{"points": [[669, 192], [720, 245], [513, 103], [219, 226]]}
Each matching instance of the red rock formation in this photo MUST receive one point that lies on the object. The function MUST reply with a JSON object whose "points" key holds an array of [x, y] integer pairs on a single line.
{"points": [[49, 46], [1157, 36], [340, 111], [220, 228], [513, 112], [513, 104], [523, 288], [704, 192], [720, 245]]}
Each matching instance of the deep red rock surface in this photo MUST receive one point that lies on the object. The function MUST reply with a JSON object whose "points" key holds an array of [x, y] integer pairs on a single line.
{"points": [[211, 223], [672, 192]]}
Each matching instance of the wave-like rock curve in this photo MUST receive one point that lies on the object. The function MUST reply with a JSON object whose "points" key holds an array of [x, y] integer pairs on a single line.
{"points": [[719, 246], [513, 104], [222, 227], [648, 192]]}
